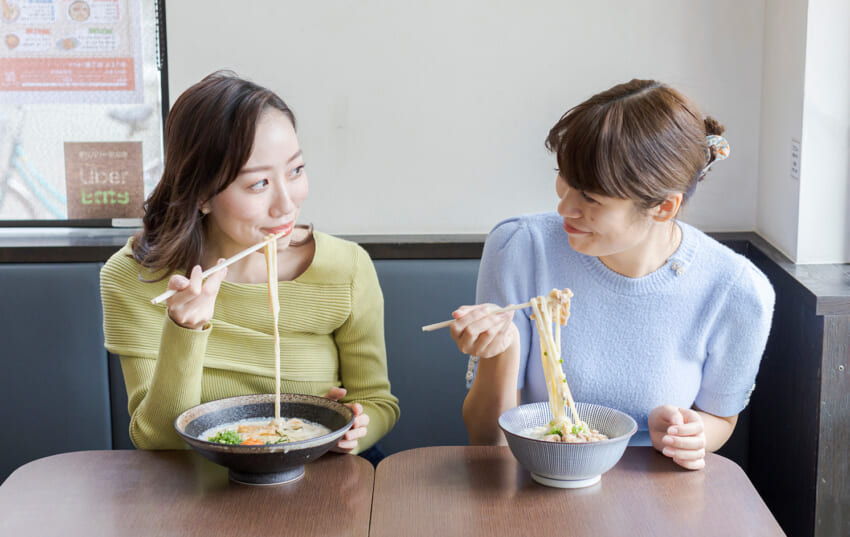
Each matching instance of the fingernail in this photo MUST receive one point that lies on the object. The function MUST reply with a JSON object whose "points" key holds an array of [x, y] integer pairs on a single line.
{"points": [[668, 440], [673, 430], [668, 452]]}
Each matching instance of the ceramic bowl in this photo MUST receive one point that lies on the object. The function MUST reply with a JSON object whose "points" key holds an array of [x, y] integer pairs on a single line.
{"points": [[268, 464], [560, 464]]}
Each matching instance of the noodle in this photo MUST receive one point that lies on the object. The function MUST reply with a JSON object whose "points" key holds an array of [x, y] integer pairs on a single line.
{"points": [[274, 304], [261, 431], [549, 309]]}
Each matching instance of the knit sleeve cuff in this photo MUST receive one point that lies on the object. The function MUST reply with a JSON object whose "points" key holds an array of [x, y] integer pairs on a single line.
{"points": [[182, 347], [723, 404]]}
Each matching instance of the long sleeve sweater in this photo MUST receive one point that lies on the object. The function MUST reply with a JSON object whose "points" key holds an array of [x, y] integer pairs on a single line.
{"points": [[691, 333], [331, 334]]}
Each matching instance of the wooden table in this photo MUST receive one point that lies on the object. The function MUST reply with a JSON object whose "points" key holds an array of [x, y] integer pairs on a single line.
{"points": [[473, 491], [154, 493]]}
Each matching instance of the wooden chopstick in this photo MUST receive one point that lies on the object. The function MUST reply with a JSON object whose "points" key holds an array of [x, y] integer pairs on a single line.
{"points": [[443, 324], [210, 271]]}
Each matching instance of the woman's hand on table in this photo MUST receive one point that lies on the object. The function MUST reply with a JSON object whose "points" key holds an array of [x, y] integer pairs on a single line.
{"points": [[478, 333], [678, 433], [193, 305], [358, 430]]}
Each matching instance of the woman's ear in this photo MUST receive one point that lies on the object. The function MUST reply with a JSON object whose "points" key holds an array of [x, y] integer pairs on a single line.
{"points": [[668, 208]]}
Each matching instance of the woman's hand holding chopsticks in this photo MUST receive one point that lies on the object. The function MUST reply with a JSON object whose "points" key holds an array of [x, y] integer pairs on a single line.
{"points": [[222, 263], [193, 303], [480, 332], [494, 338]]}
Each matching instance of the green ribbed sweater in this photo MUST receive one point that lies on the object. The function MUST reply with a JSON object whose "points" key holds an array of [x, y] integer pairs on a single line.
{"points": [[331, 334]]}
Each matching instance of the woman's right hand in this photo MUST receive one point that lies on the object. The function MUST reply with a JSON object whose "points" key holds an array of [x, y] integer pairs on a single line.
{"points": [[193, 305], [479, 333]]}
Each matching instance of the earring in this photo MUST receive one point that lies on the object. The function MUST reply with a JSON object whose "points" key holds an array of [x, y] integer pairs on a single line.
{"points": [[205, 211]]}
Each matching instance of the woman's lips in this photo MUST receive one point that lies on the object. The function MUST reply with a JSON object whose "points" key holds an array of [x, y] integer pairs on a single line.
{"points": [[285, 229], [573, 231]]}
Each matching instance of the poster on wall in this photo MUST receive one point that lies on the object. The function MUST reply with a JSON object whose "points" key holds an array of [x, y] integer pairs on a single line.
{"points": [[70, 51], [104, 180]]}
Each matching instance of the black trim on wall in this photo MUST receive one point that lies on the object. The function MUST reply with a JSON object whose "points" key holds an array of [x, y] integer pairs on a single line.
{"points": [[162, 60], [86, 246], [90, 223]]}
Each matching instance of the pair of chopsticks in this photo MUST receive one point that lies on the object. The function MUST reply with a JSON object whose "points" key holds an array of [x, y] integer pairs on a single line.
{"points": [[437, 326], [210, 271]]}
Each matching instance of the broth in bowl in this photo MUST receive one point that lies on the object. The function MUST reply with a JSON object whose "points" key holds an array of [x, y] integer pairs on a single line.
{"points": [[263, 431]]}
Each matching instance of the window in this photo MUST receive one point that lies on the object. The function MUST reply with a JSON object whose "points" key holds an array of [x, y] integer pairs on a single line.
{"points": [[81, 93]]}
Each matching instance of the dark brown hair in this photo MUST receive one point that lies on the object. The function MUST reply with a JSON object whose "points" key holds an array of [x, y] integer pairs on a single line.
{"points": [[209, 133], [641, 140]]}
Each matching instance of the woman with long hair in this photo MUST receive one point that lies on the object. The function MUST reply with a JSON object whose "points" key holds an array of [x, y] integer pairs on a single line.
{"points": [[235, 173]]}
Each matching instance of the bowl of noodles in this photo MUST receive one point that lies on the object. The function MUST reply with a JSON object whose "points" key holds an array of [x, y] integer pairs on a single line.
{"points": [[564, 454], [257, 447]]}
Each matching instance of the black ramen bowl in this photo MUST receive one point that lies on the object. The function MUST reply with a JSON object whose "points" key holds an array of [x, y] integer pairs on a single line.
{"points": [[269, 464]]}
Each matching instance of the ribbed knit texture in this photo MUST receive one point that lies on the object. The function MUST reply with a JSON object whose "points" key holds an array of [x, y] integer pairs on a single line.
{"points": [[331, 334], [692, 332]]}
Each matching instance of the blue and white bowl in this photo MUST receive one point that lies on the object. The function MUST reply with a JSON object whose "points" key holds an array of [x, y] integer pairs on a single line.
{"points": [[560, 464]]}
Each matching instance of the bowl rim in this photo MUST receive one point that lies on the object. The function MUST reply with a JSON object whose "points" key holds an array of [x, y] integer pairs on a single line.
{"points": [[618, 438], [267, 448]]}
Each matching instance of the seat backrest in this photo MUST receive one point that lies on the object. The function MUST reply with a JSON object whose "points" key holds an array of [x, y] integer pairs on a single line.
{"points": [[54, 396], [120, 415], [426, 370]]}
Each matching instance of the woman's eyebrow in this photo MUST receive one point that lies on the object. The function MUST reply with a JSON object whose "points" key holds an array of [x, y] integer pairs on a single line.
{"points": [[264, 168]]}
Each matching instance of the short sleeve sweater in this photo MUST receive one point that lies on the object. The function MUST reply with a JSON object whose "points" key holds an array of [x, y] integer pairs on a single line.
{"points": [[691, 333]]}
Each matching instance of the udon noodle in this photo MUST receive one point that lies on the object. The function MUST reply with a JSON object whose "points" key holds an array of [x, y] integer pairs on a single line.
{"points": [[261, 431], [274, 304], [549, 310]]}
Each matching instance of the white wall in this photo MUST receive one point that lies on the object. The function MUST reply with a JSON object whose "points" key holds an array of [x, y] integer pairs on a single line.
{"points": [[824, 224], [430, 117], [781, 121], [806, 97]]}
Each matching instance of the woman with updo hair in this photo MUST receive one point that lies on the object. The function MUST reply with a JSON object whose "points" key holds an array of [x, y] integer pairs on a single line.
{"points": [[668, 325]]}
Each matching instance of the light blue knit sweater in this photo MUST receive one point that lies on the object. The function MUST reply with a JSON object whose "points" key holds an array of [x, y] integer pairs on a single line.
{"points": [[692, 332]]}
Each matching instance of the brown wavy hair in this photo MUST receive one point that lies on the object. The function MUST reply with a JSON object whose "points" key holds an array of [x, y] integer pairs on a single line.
{"points": [[209, 133], [641, 140]]}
